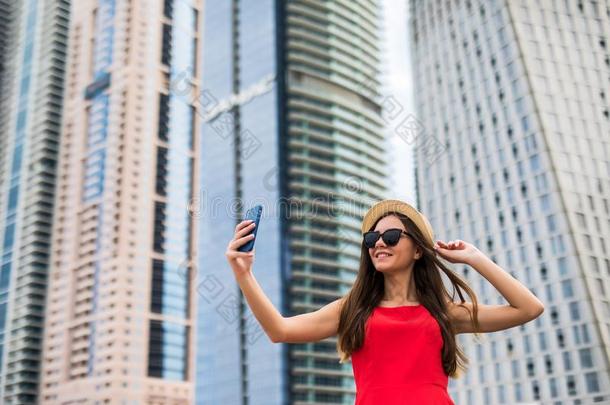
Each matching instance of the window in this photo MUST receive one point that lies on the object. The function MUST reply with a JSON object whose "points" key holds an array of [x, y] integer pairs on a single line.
{"points": [[594, 264], [551, 223], [530, 143], [557, 244], [545, 203], [560, 338], [167, 350], [161, 171], [515, 369], [566, 288], [17, 159], [549, 293], [501, 395], [542, 340], [574, 311], [580, 217], [589, 242], [9, 235], [576, 333], [541, 183], [536, 390], [586, 361], [526, 344], [585, 333], [553, 387], [518, 394], [592, 382], [534, 163], [600, 286], [567, 361], [519, 106], [571, 385], [530, 368], [525, 124]]}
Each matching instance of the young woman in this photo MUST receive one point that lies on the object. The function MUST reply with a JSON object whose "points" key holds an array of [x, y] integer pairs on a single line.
{"points": [[398, 323]]}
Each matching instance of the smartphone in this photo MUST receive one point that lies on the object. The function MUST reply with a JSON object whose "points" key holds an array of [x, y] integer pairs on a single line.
{"points": [[254, 214]]}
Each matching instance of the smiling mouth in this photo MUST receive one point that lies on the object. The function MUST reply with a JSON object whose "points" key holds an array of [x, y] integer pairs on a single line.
{"points": [[383, 255]]}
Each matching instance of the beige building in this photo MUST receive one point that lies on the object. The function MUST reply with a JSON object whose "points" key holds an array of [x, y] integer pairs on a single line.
{"points": [[119, 326]]}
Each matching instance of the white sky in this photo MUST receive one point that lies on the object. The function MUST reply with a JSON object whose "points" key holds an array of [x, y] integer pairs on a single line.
{"points": [[397, 78]]}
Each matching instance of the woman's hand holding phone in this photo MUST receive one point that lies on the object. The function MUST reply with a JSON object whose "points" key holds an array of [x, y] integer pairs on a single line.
{"points": [[241, 262]]}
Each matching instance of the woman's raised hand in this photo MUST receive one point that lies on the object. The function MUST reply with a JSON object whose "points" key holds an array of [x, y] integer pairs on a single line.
{"points": [[241, 262], [457, 251]]}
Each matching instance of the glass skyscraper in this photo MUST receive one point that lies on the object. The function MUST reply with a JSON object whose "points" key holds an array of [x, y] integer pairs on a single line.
{"points": [[119, 325], [516, 93], [33, 38], [291, 122]]}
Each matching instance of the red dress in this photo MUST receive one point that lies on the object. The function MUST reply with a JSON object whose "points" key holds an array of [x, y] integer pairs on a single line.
{"points": [[400, 361]]}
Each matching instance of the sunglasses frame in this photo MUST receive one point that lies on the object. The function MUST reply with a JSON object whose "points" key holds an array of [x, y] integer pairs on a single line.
{"points": [[382, 236]]}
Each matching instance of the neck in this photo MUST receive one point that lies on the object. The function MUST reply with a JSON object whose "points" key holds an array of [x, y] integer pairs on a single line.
{"points": [[399, 287]]}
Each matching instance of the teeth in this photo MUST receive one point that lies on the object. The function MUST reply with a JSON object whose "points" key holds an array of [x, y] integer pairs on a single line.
{"points": [[383, 254]]}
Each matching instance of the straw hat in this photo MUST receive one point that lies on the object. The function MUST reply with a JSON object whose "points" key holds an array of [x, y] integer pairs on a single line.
{"points": [[382, 207]]}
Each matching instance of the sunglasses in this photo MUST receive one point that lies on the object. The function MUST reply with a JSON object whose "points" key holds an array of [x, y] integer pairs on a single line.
{"points": [[390, 237]]}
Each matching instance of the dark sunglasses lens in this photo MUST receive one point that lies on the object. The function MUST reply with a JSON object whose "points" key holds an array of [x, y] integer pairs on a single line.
{"points": [[391, 237], [370, 238]]}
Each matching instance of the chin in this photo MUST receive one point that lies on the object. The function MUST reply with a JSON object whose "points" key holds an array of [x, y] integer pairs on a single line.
{"points": [[385, 268]]}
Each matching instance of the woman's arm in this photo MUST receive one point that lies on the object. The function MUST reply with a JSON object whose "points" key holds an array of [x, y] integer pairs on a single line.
{"points": [[309, 327], [524, 306], [518, 295], [263, 309]]}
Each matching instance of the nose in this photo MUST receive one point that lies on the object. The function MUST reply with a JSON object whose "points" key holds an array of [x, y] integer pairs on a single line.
{"points": [[380, 242]]}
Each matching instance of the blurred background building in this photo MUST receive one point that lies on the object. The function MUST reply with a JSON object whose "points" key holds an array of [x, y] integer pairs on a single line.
{"points": [[33, 39], [292, 123], [134, 134], [119, 324], [517, 93]]}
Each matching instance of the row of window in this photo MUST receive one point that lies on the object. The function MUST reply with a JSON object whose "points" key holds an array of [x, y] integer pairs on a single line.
{"points": [[168, 350], [169, 344], [591, 381], [104, 37]]}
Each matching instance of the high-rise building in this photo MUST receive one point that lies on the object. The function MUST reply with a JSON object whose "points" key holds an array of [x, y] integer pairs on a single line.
{"points": [[33, 39], [292, 122], [6, 17], [517, 93], [119, 324]]}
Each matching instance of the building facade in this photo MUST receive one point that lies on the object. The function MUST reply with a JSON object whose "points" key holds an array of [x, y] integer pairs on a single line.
{"points": [[516, 93], [33, 40], [292, 122], [119, 326]]}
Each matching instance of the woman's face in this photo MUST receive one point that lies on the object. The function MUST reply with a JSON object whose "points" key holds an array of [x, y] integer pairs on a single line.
{"points": [[402, 255]]}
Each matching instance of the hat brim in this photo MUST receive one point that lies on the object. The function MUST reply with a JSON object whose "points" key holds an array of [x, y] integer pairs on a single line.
{"points": [[383, 207]]}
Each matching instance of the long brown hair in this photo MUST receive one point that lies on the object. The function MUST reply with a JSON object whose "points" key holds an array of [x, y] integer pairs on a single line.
{"points": [[368, 291]]}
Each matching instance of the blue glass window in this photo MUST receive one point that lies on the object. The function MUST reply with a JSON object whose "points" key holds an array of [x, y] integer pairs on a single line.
{"points": [[9, 234], [168, 348], [169, 289], [17, 157]]}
